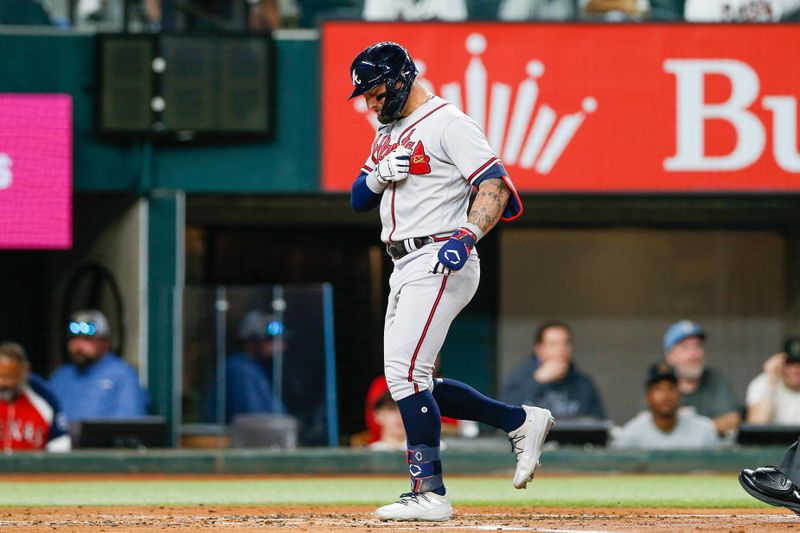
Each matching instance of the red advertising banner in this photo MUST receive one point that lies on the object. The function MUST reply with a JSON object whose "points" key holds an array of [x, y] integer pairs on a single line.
{"points": [[35, 171], [593, 108]]}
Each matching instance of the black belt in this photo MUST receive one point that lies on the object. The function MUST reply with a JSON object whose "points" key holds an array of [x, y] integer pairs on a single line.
{"points": [[400, 249]]}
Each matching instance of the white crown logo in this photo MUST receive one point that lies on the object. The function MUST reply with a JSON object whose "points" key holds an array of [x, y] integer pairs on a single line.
{"points": [[548, 136]]}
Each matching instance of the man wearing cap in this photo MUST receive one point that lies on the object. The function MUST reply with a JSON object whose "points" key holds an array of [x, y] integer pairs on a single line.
{"points": [[248, 373], [97, 383], [702, 388], [773, 397], [664, 425]]}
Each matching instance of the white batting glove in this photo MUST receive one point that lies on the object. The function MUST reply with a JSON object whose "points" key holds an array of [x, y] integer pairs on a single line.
{"points": [[438, 268], [394, 166]]}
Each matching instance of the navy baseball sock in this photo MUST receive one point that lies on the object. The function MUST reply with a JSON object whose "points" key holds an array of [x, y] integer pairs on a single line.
{"points": [[459, 400], [423, 424]]}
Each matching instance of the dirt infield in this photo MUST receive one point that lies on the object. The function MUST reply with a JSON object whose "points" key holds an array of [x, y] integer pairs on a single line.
{"points": [[340, 519]]}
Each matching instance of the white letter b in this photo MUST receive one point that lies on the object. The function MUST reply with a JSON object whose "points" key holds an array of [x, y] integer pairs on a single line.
{"points": [[692, 112]]}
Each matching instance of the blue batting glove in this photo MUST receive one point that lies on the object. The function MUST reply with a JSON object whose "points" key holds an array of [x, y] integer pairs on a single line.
{"points": [[453, 255]]}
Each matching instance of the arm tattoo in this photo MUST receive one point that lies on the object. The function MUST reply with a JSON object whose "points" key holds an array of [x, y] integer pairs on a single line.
{"points": [[489, 204]]}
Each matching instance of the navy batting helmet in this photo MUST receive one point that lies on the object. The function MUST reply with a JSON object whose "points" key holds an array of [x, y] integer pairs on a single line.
{"points": [[389, 63]]}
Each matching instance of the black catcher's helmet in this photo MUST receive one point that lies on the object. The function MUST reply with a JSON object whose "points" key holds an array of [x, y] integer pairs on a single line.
{"points": [[389, 63]]}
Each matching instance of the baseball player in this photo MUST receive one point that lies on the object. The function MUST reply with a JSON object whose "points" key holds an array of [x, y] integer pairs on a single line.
{"points": [[425, 161]]}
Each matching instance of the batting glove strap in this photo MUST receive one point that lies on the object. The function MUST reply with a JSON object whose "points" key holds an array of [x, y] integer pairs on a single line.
{"points": [[394, 166], [422, 453], [469, 226], [465, 236], [427, 483], [425, 467]]}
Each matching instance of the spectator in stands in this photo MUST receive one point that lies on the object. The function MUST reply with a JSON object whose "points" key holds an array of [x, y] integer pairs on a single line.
{"points": [[97, 383], [30, 417], [152, 13], [773, 397], [377, 389], [614, 10], [414, 10], [703, 388], [248, 373], [391, 432], [551, 380], [664, 425], [264, 15], [92, 11], [537, 10], [203, 15], [739, 10]]}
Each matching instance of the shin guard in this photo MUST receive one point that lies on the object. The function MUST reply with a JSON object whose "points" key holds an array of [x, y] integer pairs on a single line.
{"points": [[425, 467]]}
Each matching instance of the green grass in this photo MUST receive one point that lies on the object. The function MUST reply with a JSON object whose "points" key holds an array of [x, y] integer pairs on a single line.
{"points": [[704, 491]]}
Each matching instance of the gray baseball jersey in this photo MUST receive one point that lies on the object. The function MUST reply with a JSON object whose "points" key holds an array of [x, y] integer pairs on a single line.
{"points": [[449, 154]]}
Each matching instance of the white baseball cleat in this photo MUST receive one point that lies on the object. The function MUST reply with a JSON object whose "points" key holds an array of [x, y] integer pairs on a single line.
{"points": [[427, 506], [527, 441]]}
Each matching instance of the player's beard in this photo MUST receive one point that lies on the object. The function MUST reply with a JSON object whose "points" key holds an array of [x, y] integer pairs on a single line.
{"points": [[383, 119]]}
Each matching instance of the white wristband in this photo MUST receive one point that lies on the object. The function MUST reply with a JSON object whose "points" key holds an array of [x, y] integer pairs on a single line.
{"points": [[373, 184], [474, 229]]}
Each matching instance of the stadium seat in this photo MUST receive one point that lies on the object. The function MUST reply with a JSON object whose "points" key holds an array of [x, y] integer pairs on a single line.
{"points": [[262, 430]]}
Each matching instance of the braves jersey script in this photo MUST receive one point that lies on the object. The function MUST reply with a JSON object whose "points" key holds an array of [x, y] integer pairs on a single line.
{"points": [[449, 156]]}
